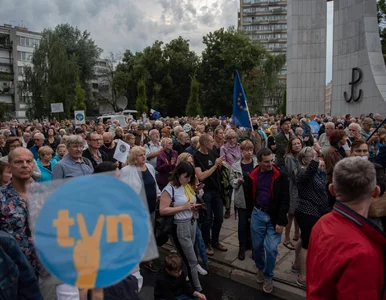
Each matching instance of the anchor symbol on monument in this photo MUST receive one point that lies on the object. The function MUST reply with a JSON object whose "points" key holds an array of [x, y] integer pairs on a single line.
{"points": [[353, 83]]}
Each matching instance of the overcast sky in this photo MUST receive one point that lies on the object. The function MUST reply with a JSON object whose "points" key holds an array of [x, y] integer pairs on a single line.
{"points": [[117, 25]]}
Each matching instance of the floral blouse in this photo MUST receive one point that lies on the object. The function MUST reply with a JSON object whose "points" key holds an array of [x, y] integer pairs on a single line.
{"points": [[14, 221]]}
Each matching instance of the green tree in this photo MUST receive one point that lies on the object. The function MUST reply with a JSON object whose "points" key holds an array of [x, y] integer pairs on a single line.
{"points": [[80, 96], [84, 49], [155, 102], [64, 54], [193, 107], [381, 5], [141, 105], [5, 111], [226, 51], [51, 79]]}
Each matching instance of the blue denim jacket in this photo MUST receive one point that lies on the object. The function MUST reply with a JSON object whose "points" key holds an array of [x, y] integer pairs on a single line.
{"points": [[17, 278]]}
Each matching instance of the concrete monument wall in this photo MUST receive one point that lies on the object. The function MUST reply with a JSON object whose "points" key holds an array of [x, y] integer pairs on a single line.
{"points": [[357, 45], [306, 56]]}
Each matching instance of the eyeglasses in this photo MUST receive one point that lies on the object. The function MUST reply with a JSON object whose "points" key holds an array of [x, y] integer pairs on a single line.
{"points": [[95, 140]]}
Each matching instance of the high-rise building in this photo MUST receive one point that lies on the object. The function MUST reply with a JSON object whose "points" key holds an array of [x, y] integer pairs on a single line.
{"points": [[17, 45], [265, 21]]}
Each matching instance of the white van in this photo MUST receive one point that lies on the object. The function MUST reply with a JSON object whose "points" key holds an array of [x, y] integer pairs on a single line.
{"points": [[121, 119]]}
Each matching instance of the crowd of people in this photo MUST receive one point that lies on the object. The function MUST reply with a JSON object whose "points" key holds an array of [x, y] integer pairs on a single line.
{"points": [[281, 172]]}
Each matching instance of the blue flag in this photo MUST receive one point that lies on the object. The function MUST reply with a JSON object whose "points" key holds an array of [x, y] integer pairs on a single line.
{"points": [[240, 116]]}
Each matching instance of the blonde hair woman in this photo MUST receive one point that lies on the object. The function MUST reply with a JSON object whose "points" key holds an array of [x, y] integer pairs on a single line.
{"points": [[45, 163], [140, 176]]}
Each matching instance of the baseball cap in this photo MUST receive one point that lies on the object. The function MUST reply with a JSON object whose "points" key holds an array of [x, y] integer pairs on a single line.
{"points": [[282, 121]]}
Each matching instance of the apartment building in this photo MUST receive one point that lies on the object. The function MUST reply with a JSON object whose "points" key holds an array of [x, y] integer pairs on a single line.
{"points": [[17, 45], [265, 21]]}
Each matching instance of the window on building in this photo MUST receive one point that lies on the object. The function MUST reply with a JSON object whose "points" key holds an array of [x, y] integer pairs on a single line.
{"points": [[24, 56], [95, 86]]}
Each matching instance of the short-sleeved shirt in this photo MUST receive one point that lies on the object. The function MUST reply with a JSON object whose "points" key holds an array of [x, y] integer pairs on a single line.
{"points": [[205, 162], [68, 167], [180, 199]]}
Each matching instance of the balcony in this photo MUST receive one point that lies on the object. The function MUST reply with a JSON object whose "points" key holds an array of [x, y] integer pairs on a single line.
{"points": [[7, 46], [6, 76], [6, 61], [7, 91]]}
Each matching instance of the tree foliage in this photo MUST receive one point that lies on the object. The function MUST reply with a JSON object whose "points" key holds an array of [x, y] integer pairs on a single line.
{"points": [[381, 5], [141, 105], [80, 96], [64, 55], [193, 107], [5, 111]]}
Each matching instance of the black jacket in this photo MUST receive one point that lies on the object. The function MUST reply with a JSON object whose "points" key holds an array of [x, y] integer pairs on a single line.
{"points": [[279, 203], [168, 287], [87, 154]]}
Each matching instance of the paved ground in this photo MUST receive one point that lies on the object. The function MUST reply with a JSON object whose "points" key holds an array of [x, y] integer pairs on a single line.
{"points": [[215, 287], [229, 237]]}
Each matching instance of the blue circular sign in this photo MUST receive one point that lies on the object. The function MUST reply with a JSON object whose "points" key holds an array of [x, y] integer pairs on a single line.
{"points": [[92, 231], [79, 117], [315, 127]]}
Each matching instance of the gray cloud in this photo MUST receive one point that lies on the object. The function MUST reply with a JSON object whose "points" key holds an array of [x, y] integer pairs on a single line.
{"points": [[117, 25]]}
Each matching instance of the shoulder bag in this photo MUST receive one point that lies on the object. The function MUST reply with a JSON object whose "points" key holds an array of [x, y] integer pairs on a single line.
{"points": [[163, 224]]}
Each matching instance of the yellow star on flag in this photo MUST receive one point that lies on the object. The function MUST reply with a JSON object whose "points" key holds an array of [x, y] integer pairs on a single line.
{"points": [[245, 109], [239, 98], [240, 94], [241, 106]]}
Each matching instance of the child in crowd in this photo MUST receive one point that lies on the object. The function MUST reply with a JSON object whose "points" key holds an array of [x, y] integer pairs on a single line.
{"points": [[171, 284]]}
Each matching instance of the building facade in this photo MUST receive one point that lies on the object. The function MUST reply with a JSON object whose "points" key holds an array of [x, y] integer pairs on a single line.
{"points": [[17, 45], [265, 21]]}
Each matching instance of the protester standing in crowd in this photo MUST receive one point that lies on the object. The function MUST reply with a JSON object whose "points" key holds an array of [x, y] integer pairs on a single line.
{"points": [[345, 243], [5, 174], [241, 194], [181, 143], [92, 152], [45, 163], [166, 162], [313, 203], [207, 171], [61, 151], [199, 245], [292, 168], [218, 137], [153, 148], [281, 140], [359, 148], [334, 154], [52, 140], [271, 143], [109, 146], [324, 139], [184, 228], [129, 138], [73, 164], [3, 151], [269, 207], [230, 153], [193, 148], [38, 139], [140, 176]]}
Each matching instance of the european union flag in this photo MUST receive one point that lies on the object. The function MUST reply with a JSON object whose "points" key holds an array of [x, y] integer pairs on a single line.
{"points": [[240, 116]]}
